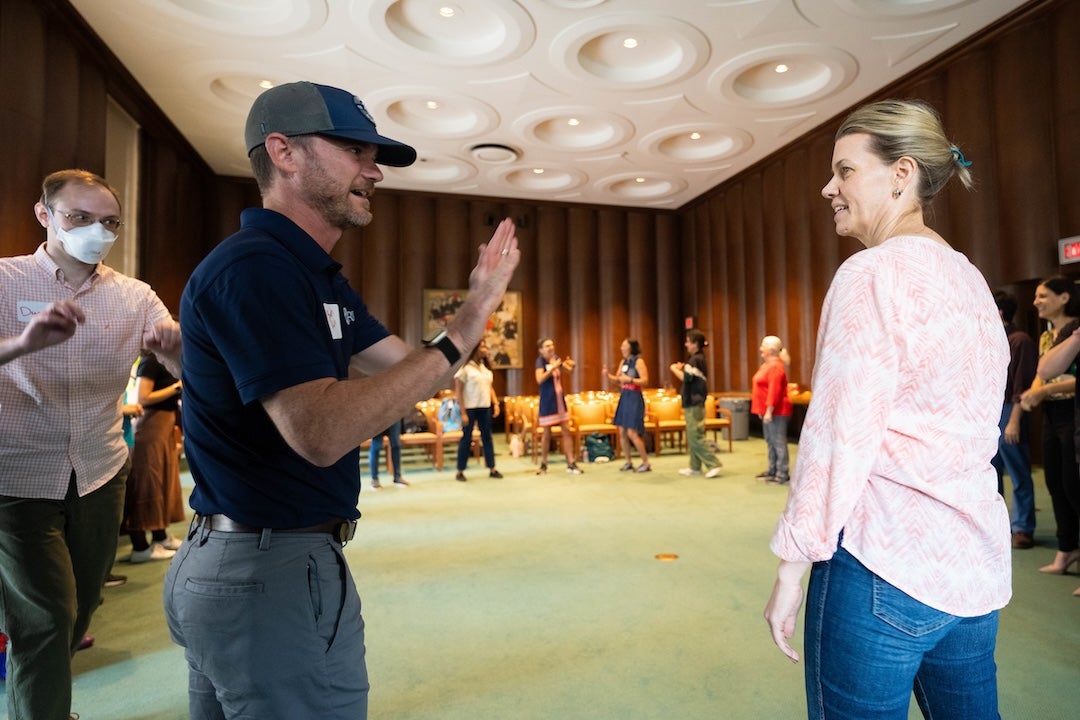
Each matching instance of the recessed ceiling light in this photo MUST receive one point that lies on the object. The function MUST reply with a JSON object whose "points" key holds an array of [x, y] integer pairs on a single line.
{"points": [[266, 84], [630, 43], [639, 180], [695, 136], [573, 122], [781, 68], [538, 171], [431, 105], [446, 11]]}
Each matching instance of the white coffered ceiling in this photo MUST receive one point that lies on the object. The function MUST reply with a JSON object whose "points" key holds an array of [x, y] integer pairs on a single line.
{"points": [[540, 99]]}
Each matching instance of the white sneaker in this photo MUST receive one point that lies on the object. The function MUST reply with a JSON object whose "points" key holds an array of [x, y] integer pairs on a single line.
{"points": [[687, 472], [171, 542], [155, 552], [713, 473]]}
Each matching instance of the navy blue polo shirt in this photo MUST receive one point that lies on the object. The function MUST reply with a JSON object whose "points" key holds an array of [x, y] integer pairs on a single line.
{"points": [[266, 310]]}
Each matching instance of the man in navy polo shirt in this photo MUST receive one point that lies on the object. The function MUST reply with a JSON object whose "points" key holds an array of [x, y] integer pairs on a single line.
{"points": [[284, 372]]}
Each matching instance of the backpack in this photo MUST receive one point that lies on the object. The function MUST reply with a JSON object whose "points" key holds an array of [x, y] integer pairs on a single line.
{"points": [[450, 415], [416, 422], [597, 446]]}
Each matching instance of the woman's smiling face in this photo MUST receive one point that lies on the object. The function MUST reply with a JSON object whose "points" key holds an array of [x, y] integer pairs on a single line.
{"points": [[860, 190]]}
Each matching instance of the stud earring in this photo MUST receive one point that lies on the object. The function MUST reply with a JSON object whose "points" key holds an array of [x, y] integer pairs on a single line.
{"points": [[897, 192]]}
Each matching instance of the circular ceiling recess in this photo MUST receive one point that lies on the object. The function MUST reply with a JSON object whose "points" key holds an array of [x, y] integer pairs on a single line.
{"points": [[440, 169], [456, 32], [433, 112], [279, 18], [783, 75], [575, 4], [696, 143], [573, 128], [238, 90], [631, 50], [877, 8], [540, 178], [641, 186]]}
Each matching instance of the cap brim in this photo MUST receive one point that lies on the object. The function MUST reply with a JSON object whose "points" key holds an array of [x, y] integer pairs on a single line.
{"points": [[389, 152]]}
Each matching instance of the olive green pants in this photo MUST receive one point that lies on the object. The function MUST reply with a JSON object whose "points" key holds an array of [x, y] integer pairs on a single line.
{"points": [[54, 557]]}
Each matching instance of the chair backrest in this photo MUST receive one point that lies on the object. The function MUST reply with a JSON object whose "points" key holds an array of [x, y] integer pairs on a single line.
{"points": [[589, 413], [666, 409]]}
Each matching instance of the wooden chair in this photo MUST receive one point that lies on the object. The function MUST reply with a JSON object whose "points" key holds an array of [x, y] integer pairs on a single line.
{"points": [[536, 433], [427, 440], [442, 438], [718, 418], [592, 416], [666, 416]]}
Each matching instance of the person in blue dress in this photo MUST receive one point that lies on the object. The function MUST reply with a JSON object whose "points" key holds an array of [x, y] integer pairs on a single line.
{"points": [[553, 410], [630, 413]]}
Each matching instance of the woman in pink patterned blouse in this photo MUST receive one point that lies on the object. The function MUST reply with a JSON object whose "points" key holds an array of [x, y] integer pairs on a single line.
{"points": [[893, 500]]}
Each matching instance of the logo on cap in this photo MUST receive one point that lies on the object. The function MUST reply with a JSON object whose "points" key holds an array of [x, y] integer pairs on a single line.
{"points": [[363, 110]]}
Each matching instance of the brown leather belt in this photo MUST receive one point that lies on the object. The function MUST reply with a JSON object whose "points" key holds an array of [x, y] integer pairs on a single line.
{"points": [[342, 530]]}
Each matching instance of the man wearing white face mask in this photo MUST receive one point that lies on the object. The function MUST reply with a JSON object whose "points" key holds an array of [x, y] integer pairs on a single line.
{"points": [[69, 330]]}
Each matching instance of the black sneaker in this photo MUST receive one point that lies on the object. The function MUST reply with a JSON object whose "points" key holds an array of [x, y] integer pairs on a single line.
{"points": [[573, 469], [460, 477], [495, 474], [115, 580]]}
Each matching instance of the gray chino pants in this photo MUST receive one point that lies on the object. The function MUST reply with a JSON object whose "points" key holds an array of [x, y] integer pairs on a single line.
{"points": [[268, 633]]}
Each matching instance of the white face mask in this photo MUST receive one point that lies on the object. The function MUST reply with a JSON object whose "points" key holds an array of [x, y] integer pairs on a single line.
{"points": [[89, 244]]}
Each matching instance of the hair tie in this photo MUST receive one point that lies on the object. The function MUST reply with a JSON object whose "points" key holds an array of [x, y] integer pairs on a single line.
{"points": [[960, 157]]}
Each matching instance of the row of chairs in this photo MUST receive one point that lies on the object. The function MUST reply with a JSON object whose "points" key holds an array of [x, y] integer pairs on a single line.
{"points": [[435, 439], [593, 411]]}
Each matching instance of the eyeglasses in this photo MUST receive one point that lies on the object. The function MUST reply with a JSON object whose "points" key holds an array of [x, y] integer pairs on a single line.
{"points": [[80, 219]]}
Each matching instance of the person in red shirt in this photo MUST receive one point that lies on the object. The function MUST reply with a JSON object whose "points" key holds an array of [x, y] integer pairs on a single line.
{"points": [[769, 400]]}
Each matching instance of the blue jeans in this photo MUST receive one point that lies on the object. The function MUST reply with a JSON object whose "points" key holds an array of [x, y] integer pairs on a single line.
{"points": [[481, 418], [393, 434], [1016, 460], [775, 433], [868, 646]]}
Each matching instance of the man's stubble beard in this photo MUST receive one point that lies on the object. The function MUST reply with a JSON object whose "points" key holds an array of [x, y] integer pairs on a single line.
{"points": [[323, 194]]}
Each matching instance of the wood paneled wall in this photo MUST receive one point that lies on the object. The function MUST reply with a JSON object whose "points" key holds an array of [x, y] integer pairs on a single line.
{"points": [[589, 276], [56, 78], [753, 257], [764, 244]]}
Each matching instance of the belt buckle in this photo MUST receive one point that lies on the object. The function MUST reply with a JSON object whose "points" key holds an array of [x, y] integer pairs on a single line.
{"points": [[345, 531]]}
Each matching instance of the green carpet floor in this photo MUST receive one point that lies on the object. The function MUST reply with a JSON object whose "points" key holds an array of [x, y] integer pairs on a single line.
{"points": [[542, 597]]}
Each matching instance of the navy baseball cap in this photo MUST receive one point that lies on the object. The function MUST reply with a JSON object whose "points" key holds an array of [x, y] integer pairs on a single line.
{"points": [[304, 108]]}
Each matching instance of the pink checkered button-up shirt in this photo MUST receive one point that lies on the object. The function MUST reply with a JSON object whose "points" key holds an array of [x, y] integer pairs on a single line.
{"points": [[60, 407], [896, 446]]}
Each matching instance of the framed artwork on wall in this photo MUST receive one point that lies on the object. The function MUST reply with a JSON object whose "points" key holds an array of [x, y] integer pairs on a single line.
{"points": [[503, 334]]}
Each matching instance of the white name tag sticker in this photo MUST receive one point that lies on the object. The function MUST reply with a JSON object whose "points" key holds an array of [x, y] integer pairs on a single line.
{"points": [[333, 319], [27, 309]]}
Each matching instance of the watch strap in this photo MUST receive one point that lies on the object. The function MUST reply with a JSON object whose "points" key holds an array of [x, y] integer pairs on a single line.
{"points": [[446, 346]]}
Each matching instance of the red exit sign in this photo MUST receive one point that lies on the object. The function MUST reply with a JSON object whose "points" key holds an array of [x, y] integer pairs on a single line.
{"points": [[1069, 250]]}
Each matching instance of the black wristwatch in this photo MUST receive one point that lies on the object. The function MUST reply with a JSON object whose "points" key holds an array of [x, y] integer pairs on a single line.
{"points": [[442, 342]]}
